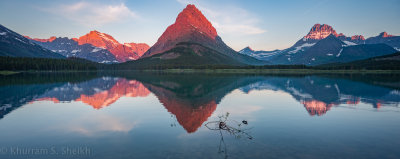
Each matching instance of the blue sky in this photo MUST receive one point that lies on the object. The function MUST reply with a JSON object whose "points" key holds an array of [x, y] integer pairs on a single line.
{"points": [[261, 24]]}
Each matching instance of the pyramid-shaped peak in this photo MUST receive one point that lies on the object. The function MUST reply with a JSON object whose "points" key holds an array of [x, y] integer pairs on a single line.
{"points": [[194, 19], [192, 9]]}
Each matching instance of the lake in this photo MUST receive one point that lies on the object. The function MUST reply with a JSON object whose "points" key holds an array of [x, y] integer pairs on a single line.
{"points": [[159, 115]]}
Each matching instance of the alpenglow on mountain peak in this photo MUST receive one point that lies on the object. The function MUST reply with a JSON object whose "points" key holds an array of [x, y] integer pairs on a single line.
{"points": [[319, 32]]}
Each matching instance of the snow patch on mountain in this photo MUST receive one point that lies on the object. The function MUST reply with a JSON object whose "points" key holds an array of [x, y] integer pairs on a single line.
{"points": [[104, 36], [59, 50], [97, 49], [3, 33], [339, 52], [298, 48], [75, 51], [348, 43], [20, 40], [296, 92]]}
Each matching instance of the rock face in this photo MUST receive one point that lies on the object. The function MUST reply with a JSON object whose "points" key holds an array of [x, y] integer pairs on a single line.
{"points": [[122, 52], [319, 32], [357, 37], [385, 35], [192, 26], [138, 48], [15, 45]]}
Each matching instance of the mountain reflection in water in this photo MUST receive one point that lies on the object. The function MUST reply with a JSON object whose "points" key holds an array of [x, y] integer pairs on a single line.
{"points": [[193, 98]]}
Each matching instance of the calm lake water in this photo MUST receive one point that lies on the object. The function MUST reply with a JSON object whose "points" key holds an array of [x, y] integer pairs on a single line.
{"points": [[142, 115]]}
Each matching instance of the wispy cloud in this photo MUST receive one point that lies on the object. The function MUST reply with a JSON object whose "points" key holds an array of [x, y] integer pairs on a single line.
{"points": [[93, 14], [229, 19], [94, 124]]}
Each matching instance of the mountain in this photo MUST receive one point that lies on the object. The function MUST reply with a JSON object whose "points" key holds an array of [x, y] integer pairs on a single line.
{"points": [[331, 50], [191, 26], [393, 41], [324, 45], [261, 55], [183, 55], [122, 52], [15, 45], [316, 33], [70, 48], [94, 46]]}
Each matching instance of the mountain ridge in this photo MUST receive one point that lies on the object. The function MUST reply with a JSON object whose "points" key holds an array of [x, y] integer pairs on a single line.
{"points": [[121, 52], [15, 45]]}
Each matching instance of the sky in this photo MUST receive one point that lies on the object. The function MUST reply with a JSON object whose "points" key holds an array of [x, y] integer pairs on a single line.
{"points": [[260, 24]]}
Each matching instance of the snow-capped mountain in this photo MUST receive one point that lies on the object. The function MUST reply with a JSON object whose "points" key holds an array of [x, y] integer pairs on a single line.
{"points": [[391, 40], [324, 45], [94, 46], [70, 48], [122, 52], [261, 55], [331, 50], [15, 45]]}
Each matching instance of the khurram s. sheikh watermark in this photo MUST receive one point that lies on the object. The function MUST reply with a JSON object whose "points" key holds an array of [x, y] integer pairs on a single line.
{"points": [[46, 151]]}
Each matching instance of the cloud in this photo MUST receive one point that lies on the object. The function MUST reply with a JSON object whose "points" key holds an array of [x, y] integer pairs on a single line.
{"points": [[229, 19], [92, 14], [96, 124]]}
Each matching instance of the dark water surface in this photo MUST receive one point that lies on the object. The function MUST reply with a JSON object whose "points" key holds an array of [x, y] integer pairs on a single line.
{"points": [[142, 115]]}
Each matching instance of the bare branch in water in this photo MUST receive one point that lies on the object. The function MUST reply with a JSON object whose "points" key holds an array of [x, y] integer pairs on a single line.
{"points": [[232, 127]]}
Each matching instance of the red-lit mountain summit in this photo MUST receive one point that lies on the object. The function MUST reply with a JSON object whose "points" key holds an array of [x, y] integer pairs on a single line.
{"points": [[190, 25], [192, 29], [122, 52]]}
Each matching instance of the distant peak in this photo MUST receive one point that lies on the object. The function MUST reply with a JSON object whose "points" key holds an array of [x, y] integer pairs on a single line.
{"points": [[249, 48], [246, 49], [357, 37], [318, 32], [385, 35], [51, 39]]}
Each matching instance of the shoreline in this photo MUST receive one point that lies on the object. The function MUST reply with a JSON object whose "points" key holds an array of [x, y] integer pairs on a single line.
{"points": [[275, 71], [223, 71]]}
